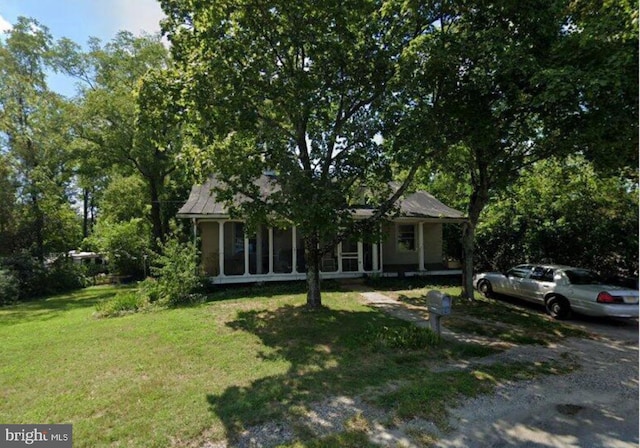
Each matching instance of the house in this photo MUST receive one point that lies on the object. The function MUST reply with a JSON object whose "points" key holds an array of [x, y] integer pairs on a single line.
{"points": [[411, 243]]}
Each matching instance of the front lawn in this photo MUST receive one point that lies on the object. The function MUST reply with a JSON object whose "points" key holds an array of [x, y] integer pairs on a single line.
{"points": [[183, 376]]}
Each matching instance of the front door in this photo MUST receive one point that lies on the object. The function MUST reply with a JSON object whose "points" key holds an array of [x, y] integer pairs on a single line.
{"points": [[349, 256]]}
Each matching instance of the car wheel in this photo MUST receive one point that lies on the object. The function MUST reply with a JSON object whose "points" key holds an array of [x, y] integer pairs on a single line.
{"points": [[558, 307], [485, 288]]}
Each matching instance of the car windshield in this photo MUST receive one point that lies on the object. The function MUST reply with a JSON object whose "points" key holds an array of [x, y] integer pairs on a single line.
{"points": [[583, 277]]}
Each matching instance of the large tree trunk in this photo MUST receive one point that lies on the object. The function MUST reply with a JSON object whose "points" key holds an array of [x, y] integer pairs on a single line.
{"points": [[468, 237], [478, 200], [313, 258]]}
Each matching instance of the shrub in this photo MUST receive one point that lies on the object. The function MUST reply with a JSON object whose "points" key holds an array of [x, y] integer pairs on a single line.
{"points": [[177, 275], [30, 274], [64, 275], [121, 303], [35, 279], [9, 288], [124, 243]]}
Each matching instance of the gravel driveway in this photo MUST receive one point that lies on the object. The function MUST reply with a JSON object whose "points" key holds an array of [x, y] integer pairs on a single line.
{"points": [[595, 406]]}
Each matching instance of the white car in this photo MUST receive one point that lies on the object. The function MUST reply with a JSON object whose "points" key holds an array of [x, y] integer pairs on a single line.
{"points": [[561, 289]]}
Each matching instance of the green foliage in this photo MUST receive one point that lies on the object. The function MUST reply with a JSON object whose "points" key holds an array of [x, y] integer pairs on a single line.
{"points": [[121, 303], [125, 244], [405, 337], [64, 275], [36, 163], [35, 279], [563, 211], [177, 273], [123, 199], [9, 287], [299, 89]]}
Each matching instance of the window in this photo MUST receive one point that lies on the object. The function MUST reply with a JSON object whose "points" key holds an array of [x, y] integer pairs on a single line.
{"points": [[406, 237], [542, 274], [519, 271], [583, 277], [238, 239]]}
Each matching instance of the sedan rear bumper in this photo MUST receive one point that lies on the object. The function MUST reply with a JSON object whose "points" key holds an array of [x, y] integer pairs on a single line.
{"points": [[611, 310]]}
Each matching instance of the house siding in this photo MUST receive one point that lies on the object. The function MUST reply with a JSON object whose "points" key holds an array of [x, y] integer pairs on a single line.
{"points": [[433, 243], [210, 241], [432, 246]]}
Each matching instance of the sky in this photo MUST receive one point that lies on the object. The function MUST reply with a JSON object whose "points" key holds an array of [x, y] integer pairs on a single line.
{"points": [[81, 19]]}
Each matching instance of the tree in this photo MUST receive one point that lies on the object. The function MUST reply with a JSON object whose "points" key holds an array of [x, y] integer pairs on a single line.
{"points": [[562, 211], [300, 89], [600, 49], [514, 95], [157, 139], [8, 193], [123, 199], [126, 112], [126, 245], [35, 141]]}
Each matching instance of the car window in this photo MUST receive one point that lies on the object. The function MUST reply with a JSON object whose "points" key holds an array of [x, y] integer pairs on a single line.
{"points": [[542, 274], [582, 277], [519, 271]]}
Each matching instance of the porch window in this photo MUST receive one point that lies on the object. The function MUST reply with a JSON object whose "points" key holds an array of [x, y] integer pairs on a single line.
{"points": [[406, 237]]}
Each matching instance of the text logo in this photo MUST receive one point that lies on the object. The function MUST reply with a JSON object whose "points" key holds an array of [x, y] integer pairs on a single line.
{"points": [[36, 436]]}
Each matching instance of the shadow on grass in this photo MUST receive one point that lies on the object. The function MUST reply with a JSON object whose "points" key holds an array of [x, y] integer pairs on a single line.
{"points": [[217, 293], [51, 307], [329, 354]]}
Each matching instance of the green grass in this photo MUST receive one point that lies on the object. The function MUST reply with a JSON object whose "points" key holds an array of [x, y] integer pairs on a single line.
{"points": [[518, 324], [441, 390], [182, 376]]}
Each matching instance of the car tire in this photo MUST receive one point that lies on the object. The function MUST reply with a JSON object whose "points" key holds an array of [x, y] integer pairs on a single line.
{"points": [[484, 286], [558, 307]]}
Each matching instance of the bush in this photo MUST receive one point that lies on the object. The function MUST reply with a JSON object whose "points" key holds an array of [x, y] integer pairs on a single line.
{"points": [[124, 243], [121, 303], [177, 275], [35, 279], [9, 288], [64, 275], [30, 274]]}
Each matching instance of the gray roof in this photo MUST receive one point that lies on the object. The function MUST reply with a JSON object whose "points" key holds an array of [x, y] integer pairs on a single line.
{"points": [[202, 203]]}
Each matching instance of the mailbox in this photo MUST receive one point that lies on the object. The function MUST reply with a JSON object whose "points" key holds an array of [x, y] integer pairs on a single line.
{"points": [[439, 303]]}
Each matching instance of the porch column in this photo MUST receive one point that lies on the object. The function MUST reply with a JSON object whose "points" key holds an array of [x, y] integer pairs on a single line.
{"points": [[270, 250], [421, 246], [340, 257], [294, 250], [259, 250], [221, 248], [374, 255], [360, 257], [380, 246], [246, 249]]}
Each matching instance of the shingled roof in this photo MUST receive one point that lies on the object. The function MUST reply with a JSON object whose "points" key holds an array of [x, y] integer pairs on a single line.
{"points": [[202, 203]]}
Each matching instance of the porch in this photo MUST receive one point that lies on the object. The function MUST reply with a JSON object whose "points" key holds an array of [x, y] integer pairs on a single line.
{"points": [[230, 255]]}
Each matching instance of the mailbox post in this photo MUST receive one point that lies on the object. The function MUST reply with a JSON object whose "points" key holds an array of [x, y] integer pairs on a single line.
{"points": [[438, 304]]}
